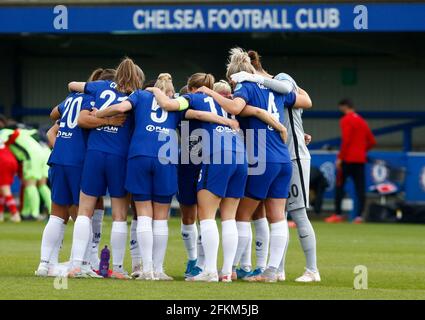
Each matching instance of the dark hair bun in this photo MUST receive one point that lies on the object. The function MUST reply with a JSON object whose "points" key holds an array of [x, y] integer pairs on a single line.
{"points": [[255, 59]]}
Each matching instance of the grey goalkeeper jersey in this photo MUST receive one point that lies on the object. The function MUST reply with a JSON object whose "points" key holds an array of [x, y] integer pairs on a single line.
{"points": [[296, 144], [284, 83]]}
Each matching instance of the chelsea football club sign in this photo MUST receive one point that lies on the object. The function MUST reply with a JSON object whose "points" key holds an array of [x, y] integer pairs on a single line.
{"points": [[214, 18]]}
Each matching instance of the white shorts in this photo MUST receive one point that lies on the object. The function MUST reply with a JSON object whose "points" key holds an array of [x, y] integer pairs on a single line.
{"points": [[299, 187]]}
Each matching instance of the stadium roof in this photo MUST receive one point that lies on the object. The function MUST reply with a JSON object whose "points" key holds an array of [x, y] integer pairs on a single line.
{"points": [[123, 2]]}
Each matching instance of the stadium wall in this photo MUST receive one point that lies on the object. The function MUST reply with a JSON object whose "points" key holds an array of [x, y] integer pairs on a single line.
{"points": [[378, 88], [379, 71]]}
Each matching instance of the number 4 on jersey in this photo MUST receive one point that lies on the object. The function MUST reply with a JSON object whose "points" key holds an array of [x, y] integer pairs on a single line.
{"points": [[272, 109]]}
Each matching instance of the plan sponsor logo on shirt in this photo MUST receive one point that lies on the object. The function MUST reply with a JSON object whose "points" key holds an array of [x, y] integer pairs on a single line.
{"points": [[108, 129], [64, 134], [221, 129], [159, 129]]}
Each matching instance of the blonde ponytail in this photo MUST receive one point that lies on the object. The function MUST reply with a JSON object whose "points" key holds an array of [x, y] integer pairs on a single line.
{"points": [[165, 83], [239, 60]]}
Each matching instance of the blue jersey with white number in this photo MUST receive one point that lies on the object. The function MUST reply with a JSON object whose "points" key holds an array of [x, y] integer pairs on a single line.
{"points": [[109, 139], [222, 138], [272, 148], [71, 140], [154, 127]]}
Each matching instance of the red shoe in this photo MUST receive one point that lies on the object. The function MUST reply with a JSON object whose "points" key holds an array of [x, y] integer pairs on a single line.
{"points": [[334, 219], [292, 224], [358, 220]]}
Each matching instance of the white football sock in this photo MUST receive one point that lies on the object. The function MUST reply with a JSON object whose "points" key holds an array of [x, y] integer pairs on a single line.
{"points": [[282, 263], [262, 239], [229, 240], [190, 237], [243, 228], [97, 221], [87, 253], [118, 243], [160, 239], [200, 263], [51, 237], [136, 258], [245, 261], [80, 239], [278, 239], [210, 242], [307, 237], [145, 240], [54, 258]]}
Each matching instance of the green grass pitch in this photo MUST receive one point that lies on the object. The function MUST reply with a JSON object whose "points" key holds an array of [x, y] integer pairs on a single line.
{"points": [[393, 254]]}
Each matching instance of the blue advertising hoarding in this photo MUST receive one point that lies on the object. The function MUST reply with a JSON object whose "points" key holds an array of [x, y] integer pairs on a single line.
{"points": [[215, 18], [405, 170], [415, 177]]}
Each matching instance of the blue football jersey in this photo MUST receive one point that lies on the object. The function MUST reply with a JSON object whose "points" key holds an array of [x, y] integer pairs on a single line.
{"points": [[109, 139], [222, 138], [71, 140], [154, 127], [272, 148]]}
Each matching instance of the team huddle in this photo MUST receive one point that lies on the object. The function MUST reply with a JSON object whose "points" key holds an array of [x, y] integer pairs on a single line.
{"points": [[238, 149]]}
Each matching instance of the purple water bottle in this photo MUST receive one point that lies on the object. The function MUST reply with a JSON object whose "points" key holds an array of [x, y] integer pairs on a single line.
{"points": [[104, 262]]}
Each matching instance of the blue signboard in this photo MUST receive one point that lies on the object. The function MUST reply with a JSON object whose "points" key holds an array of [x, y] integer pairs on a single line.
{"points": [[214, 18], [405, 170], [415, 178]]}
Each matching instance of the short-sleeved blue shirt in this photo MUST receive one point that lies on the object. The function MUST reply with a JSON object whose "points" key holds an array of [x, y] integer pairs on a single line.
{"points": [[222, 138], [109, 139], [272, 148], [151, 123], [71, 140]]}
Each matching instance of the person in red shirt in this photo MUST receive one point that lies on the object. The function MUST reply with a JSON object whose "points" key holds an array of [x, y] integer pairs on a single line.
{"points": [[8, 170], [356, 140]]}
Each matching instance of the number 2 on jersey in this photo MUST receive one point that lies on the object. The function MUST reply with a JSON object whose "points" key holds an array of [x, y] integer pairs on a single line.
{"points": [[110, 97]]}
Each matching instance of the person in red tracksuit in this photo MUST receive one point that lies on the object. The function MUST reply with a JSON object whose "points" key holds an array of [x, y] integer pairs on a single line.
{"points": [[356, 140]]}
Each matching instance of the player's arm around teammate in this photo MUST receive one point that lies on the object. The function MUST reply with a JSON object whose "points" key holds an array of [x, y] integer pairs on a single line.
{"points": [[297, 142], [219, 185], [271, 186], [188, 171], [146, 172]]}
